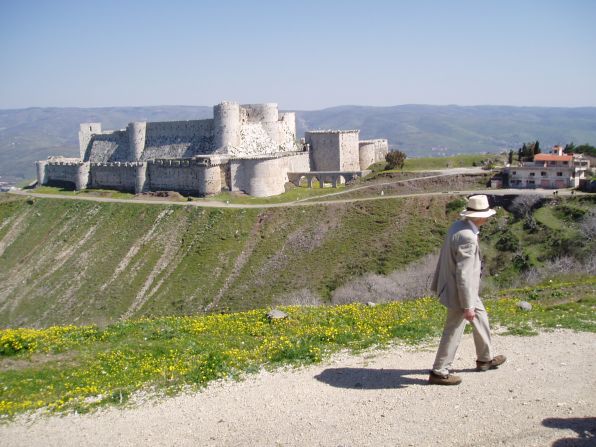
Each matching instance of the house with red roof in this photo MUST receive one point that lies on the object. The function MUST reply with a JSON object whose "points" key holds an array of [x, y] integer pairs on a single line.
{"points": [[554, 170]]}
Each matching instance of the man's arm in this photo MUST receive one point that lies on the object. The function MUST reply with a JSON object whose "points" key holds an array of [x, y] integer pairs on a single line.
{"points": [[465, 255]]}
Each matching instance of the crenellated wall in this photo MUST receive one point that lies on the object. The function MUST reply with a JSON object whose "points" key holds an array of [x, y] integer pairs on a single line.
{"points": [[116, 175], [64, 170]]}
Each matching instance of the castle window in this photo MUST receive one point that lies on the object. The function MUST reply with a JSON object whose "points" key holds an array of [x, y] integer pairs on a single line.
{"points": [[559, 174], [543, 173], [532, 174]]}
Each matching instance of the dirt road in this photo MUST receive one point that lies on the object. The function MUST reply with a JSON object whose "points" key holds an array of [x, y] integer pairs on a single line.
{"points": [[544, 395]]}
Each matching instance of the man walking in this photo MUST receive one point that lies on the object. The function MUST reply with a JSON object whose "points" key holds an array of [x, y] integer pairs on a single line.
{"points": [[457, 283]]}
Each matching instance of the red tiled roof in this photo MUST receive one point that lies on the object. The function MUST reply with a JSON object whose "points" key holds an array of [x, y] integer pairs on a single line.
{"points": [[552, 157]]}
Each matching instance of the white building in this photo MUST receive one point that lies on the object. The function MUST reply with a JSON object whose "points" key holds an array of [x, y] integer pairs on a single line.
{"points": [[549, 171]]}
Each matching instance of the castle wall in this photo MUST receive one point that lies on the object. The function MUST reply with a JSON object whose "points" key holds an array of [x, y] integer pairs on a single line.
{"points": [[86, 130], [186, 176], [108, 147], [173, 175], [349, 158], [117, 175], [263, 177], [372, 151], [324, 150], [287, 130], [178, 139], [66, 170]]}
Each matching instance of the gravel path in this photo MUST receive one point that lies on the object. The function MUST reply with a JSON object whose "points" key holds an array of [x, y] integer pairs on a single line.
{"points": [[544, 395]]}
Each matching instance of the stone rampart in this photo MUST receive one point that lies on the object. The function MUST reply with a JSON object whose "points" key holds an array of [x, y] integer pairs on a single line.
{"points": [[108, 147], [266, 176], [178, 139], [117, 175], [64, 171]]}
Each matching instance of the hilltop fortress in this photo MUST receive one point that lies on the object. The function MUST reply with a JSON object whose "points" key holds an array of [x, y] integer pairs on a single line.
{"points": [[250, 148]]}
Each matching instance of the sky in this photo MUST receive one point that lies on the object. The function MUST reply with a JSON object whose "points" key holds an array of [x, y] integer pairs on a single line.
{"points": [[304, 55]]}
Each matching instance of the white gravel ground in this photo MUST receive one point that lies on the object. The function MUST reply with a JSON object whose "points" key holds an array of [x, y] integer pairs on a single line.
{"points": [[544, 395]]}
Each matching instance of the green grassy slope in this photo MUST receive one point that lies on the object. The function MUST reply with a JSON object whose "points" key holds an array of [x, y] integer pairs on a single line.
{"points": [[64, 261], [82, 262]]}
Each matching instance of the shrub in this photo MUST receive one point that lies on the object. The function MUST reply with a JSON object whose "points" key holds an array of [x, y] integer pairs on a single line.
{"points": [[456, 205], [395, 160]]}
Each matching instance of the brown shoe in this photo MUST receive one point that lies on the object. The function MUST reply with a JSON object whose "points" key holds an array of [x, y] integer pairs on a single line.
{"points": [[449, 379], [492, 364]]}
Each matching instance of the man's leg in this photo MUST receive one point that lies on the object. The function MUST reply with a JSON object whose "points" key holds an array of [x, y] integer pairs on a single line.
{"points": [[482, 334], [452, 332]]}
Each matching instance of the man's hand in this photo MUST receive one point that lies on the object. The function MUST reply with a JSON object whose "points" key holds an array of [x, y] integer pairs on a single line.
{"points": [[469, 314]]}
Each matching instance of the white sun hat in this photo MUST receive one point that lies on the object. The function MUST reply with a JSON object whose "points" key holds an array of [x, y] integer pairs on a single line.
{"points": [[478, 207]]}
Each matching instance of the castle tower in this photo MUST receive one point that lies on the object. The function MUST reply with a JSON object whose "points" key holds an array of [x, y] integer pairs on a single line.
{"points": [[41, 172], [226, 124], [136, 139], [82, 175], [268, 115], [141, 178], [86, 131]]}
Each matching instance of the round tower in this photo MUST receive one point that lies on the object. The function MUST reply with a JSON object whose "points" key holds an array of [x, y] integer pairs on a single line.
{"points": [[141, 178], [267, 115], [82, 175], [41, 172], [210, 180], [367, 153], [137, 132], [226, 125]]}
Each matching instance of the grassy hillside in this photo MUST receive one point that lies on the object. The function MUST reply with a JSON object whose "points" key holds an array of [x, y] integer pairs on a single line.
{"points": [[78, 262], [64, 261]]}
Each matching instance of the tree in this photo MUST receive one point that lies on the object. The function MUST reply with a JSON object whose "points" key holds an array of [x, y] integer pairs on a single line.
{"points": [[522, 205], [395, 160], [510, 157], [569, 148], [536, 147]]}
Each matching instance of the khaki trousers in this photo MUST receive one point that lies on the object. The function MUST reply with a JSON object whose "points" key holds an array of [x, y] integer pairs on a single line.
{"points": [[452, 332]]}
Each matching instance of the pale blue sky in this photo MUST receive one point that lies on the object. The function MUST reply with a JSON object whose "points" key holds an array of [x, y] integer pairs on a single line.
{"points": [[301, 54]]}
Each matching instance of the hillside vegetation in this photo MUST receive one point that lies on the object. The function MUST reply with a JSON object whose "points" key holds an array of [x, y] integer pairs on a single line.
{"points": [[70, 368], [65, 262], [78, 262]]}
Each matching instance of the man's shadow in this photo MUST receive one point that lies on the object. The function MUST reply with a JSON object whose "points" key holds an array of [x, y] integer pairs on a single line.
{"points": [[371, 379], [584, 427]]}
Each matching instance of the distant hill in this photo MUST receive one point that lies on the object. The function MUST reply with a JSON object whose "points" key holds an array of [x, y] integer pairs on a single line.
{"points": [[32, 134]]}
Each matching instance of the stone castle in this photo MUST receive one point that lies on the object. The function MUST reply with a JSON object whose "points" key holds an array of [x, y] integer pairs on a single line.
{"points": [[246, 148]]}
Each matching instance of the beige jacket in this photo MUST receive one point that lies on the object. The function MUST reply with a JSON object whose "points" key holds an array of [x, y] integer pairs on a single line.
{"points": [[457, 277]]}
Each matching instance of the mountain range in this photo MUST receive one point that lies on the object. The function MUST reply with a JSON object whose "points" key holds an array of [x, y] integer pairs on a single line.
{"points": [[33, 134]]}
